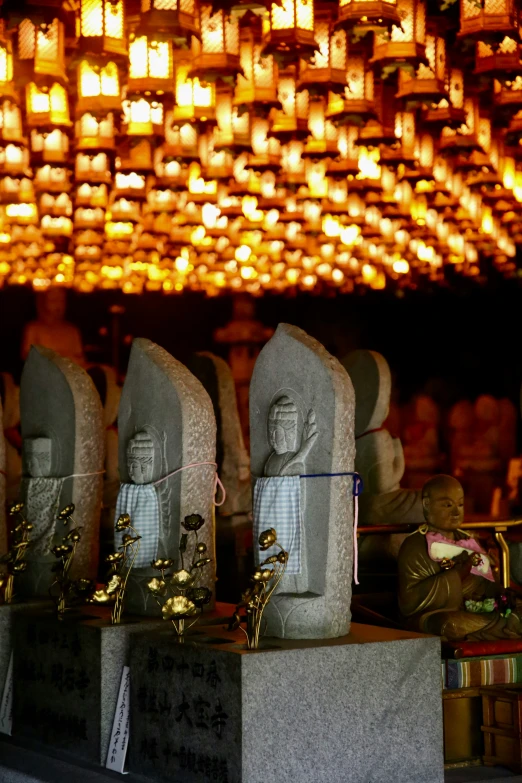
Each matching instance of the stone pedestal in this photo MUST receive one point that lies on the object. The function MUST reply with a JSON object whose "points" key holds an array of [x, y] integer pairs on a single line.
{"points": [[364, 707], [7, 615], [66, 679]]}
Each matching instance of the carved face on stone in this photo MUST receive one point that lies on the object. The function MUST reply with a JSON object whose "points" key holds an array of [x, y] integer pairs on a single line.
{"points": [[443, 502], [38, 456], [140, 458], [282, 426]]}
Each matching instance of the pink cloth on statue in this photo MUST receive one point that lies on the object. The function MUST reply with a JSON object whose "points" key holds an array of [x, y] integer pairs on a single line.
{"points": [[440, 547]]}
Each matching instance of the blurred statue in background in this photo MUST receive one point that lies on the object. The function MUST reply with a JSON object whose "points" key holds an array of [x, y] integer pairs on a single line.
{"points": [[51, 330]]}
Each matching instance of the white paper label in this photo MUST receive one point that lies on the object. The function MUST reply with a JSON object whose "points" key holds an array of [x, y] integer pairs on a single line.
{"points": [[6, 706], [120, 727]]}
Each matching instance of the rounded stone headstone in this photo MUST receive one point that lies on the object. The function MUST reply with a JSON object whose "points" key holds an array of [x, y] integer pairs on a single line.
{"points": [[63, 462], [165, 411], [371, 378], [302, 410]]}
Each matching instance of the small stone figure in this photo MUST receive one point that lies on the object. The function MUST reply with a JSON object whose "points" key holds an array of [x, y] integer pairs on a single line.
{"points": [[379, 458], [446, 584]]}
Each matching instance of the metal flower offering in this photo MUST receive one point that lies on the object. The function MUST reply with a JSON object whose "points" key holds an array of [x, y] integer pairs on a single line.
{"points": [[14, 558], [184, 600], [120, 566], [65, 591], [265, 580]]}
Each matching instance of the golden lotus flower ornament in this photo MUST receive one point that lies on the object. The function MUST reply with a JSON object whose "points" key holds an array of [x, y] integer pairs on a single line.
{"points": [[264, 582], [65, 591], [120, 565], [184, 598], [13, 560]]}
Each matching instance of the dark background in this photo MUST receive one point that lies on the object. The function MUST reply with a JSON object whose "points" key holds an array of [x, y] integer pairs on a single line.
{"points": [[450, 343]]}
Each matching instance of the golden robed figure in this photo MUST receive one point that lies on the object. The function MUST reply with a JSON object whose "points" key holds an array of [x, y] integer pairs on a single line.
{"points": [[446, 585]]}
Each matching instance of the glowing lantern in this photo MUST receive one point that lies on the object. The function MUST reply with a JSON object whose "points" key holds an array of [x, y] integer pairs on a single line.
{"points": [[92, 168], [93, 133], [257, 84], [449, 112], [327, 70], [98, 87], [40, 51], [363, 16], [288, 31], [490, 20], [101, 27], [46, 107], [324, 134], [194, 101], [404, 152], [14, 159], [508, 93], [150, 64], [50, 147], [142, 117], [428, 83], [6, 64], [501, 60], [216, 55], [356, 105], [291, 122], [178, 18], [406, 43], [10, 122]]}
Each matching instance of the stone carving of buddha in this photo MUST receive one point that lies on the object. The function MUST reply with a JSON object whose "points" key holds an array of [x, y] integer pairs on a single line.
{"points": [[288, 458]]}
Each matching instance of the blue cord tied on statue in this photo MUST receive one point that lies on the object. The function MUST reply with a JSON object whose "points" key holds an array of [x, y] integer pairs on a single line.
{"points": [[277, 504]]}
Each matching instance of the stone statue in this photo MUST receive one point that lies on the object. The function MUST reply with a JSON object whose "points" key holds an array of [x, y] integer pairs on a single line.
{"points": [[165, 423], [51, 330], [63, 459], [10, 398], [446, 585], [231, 455], [302, 410], [379, 457]]}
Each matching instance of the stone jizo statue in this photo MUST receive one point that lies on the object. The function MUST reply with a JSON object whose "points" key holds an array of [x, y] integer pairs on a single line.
{"points": [[302, 410], [446, 584], [379, 458]]}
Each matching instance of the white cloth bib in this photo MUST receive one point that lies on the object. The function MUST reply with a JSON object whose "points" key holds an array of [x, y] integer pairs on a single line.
{"points": [[140, 502], [277, 504]]}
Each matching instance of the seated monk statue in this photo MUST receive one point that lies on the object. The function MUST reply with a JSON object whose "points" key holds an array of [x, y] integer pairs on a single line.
{"points": [[446, 585], [51, 329]]}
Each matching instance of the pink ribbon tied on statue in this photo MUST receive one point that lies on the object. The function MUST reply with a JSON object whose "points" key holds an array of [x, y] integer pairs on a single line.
{"points": [[442, 548]]}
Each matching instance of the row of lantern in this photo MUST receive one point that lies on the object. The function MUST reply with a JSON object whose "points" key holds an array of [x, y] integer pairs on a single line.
{"points": [[119, 219]]}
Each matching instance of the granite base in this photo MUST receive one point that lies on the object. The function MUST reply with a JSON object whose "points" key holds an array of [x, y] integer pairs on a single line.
{"points": [[66, 677], [364, 708], [7, 614]]}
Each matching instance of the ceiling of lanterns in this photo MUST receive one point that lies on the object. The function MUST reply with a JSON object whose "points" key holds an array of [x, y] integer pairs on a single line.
{"points": [[299, 144]]}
